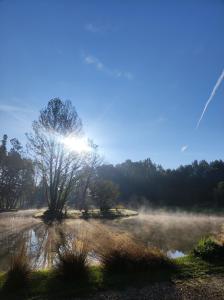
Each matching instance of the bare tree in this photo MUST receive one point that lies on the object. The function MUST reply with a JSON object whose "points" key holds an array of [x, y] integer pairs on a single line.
{"points": [[87, 176], [59, 165]]}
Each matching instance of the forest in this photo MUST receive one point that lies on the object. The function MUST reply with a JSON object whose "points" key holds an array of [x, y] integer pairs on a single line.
{"points": [[88, 182]]}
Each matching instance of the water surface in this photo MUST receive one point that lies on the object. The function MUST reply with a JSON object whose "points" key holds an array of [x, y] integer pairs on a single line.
{"points": [[174, 233]]}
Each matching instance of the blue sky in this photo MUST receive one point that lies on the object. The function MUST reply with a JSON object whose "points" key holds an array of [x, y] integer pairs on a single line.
{"points": [[138, 72]]}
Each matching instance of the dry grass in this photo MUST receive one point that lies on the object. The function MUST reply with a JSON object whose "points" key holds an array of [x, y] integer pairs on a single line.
{"points": [[72, 261], [19, 272], [121, 253]]}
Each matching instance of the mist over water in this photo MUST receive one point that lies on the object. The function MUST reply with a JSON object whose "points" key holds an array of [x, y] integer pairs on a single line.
{"points": [[171, 231], [174, 233]]}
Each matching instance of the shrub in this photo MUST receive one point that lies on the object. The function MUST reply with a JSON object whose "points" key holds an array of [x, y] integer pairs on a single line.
{"points": [[209, 249], [124, 255], [72, 261], [19, 272], [49, 216]]}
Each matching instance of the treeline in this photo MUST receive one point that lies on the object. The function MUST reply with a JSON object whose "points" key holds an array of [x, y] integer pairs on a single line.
{"points": [[198, 185], [17, 186], [62, 173], [133, 184]]}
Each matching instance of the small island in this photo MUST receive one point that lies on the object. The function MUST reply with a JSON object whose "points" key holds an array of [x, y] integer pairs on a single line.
{"points": [[112, 213]]}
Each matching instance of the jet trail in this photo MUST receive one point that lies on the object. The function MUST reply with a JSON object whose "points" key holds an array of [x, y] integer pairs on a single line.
{"points": [[219, 81]]}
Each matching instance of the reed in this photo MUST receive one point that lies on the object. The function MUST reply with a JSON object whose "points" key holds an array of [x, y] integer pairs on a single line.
{"points": [[72, 261], [18, 275]]}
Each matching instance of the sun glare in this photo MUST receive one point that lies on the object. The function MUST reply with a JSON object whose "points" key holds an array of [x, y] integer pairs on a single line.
{"points": [[76, 144]]}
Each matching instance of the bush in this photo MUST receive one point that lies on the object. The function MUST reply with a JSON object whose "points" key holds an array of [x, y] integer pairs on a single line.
{"points": [[72, 261], [124, 255], [209, 249], [19, 273], [52, 215]]}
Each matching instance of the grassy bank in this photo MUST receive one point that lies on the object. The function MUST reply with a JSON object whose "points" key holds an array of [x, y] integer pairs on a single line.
{"points": [[46, 285]]}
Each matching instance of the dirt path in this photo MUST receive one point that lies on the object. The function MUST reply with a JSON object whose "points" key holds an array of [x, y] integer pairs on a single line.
{"points": [[210, 288]]}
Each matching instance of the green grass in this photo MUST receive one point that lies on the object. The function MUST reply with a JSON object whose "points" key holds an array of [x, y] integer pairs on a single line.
{"points": [[2, 279], [46, 284], [192, 267], [209, 249]]}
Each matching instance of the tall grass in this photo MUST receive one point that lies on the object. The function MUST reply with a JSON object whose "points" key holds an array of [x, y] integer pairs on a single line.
{"points": [[123, 254], [72, 261], [18, 275]]}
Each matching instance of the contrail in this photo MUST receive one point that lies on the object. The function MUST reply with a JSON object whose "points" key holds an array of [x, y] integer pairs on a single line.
{"points": [[221, 77]]}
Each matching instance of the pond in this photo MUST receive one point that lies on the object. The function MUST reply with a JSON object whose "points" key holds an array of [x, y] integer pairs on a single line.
{"points": [[174, 233]]}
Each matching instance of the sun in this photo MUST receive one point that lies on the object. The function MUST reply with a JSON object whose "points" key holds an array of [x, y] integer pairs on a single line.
{"points": [[76, 144]]}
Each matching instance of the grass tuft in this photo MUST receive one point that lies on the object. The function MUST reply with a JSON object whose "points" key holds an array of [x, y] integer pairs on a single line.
{"points": [[72, 261], [209, 249], [19, 272], [125, 255]]}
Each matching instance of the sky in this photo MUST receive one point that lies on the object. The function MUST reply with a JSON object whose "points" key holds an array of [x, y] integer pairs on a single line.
{"points": [[139, 73]]}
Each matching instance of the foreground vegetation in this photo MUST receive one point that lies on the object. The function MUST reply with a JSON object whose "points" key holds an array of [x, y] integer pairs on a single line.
{"points": [[123, 262], [46, 284]]}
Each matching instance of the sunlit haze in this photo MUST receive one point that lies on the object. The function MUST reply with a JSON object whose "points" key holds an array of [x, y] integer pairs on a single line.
{"points": [[76, 144]]}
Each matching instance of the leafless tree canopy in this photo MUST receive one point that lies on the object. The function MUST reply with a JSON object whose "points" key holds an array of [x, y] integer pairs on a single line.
{"points": [[60, 117], [59, 167]]}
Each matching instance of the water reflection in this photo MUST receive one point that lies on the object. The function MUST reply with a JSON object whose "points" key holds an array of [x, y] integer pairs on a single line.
{"points": [[175, 254], [41, 245], [175, 234]]}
